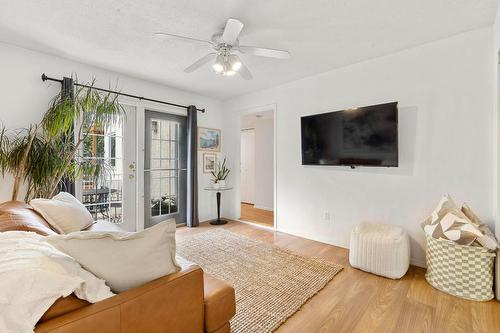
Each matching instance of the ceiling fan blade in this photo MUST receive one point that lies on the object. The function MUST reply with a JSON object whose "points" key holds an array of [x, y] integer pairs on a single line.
{"points": [[200, 62], [245, 72], [182, 38], [232, 31], [263, 52]]}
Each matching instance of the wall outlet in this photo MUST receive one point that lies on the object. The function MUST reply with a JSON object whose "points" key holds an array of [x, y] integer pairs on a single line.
{"points": [[327, 216]]}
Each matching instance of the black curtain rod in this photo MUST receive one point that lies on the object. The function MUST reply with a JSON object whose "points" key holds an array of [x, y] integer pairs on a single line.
{"points": [[46, 78]]}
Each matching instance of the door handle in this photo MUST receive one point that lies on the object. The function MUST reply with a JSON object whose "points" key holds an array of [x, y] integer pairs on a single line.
{"points": [[131, 166]]}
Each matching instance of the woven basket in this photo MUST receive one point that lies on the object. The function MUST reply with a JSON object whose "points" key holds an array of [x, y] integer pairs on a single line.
{"points": [[462, 271]]}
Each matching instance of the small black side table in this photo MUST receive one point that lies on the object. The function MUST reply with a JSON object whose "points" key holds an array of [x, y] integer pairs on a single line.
{"points": [[218, 194]]}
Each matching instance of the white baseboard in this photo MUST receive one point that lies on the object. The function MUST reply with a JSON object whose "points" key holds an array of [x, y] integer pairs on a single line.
{"points": [[263, 208], [257, 225]]}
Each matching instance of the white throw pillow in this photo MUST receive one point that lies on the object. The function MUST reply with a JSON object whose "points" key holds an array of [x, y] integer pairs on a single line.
{"points": [[63, 212], [448, 222], [124, 259], [487, 239]]}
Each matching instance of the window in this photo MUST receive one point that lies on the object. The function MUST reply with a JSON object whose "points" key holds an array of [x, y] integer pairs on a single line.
{"points": [[102, 196]]}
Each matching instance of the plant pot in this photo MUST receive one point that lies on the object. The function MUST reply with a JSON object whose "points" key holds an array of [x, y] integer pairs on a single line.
{"points": [[219, 184]]}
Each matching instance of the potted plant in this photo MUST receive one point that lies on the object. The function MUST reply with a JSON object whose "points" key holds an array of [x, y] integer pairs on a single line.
{"points": [[164, 205], [44, 154], [220, 174]]}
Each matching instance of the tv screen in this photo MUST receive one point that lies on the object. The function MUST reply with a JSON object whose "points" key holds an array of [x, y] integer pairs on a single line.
{"points": [[362, 136]]}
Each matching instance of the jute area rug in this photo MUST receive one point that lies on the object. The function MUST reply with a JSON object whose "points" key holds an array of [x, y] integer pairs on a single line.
{"points": [[271, 283]]}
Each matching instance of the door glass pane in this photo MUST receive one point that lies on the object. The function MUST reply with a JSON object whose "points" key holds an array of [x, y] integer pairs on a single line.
{"points": [[102, 196], [164, 161]]}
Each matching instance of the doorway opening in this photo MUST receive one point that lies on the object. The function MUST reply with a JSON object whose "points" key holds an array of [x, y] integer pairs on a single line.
{"points": [[257, 168]]}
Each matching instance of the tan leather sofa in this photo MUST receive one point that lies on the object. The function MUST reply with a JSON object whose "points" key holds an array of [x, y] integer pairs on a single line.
{"points": [[186, 301]]}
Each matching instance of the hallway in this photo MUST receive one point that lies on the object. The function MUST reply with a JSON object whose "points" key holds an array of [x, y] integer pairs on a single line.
{"points": [[251, 214]]}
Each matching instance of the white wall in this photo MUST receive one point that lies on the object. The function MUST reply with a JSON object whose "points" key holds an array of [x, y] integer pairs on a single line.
{"points": [[247, 167], [264, 155], [25, 98], [446, 140], [496, 103]]}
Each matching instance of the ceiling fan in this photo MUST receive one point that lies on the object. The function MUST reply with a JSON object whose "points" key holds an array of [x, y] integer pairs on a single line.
{"points": [[224, 45]]}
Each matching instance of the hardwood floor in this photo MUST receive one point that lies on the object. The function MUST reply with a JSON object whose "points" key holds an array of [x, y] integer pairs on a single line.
{"points": [[355, 301], [251, 214]]}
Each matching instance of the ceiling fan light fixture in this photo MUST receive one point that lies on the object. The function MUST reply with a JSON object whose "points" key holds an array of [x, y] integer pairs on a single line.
{"points": [[222, 44], [228, 71], [235, 62], [236, 67], [226, 65], [218, 66]]}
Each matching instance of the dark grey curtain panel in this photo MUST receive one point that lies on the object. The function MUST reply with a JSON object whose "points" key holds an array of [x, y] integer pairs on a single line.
{"points": [[67, 89], [192, 218]]}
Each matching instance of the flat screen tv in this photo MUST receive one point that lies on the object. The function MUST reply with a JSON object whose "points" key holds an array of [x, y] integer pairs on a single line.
{"points": [[366, 136]]}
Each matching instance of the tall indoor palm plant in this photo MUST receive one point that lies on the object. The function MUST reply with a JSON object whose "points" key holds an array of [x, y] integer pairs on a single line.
{"points": [[43, 154]]}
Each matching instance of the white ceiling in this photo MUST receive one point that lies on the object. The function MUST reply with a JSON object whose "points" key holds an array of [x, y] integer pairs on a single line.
{"points": [[320, 34]]}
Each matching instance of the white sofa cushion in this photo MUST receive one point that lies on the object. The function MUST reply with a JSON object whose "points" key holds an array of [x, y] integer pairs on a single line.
{"points": [[124, 259], [63, 212]]}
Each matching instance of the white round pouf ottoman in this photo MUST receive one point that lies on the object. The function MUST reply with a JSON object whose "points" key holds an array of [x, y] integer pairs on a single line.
{"points": [[381, 249]]}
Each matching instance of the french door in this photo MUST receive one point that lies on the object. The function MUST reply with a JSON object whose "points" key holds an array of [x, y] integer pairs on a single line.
{"points": [[112, 196], [165, 168]]}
